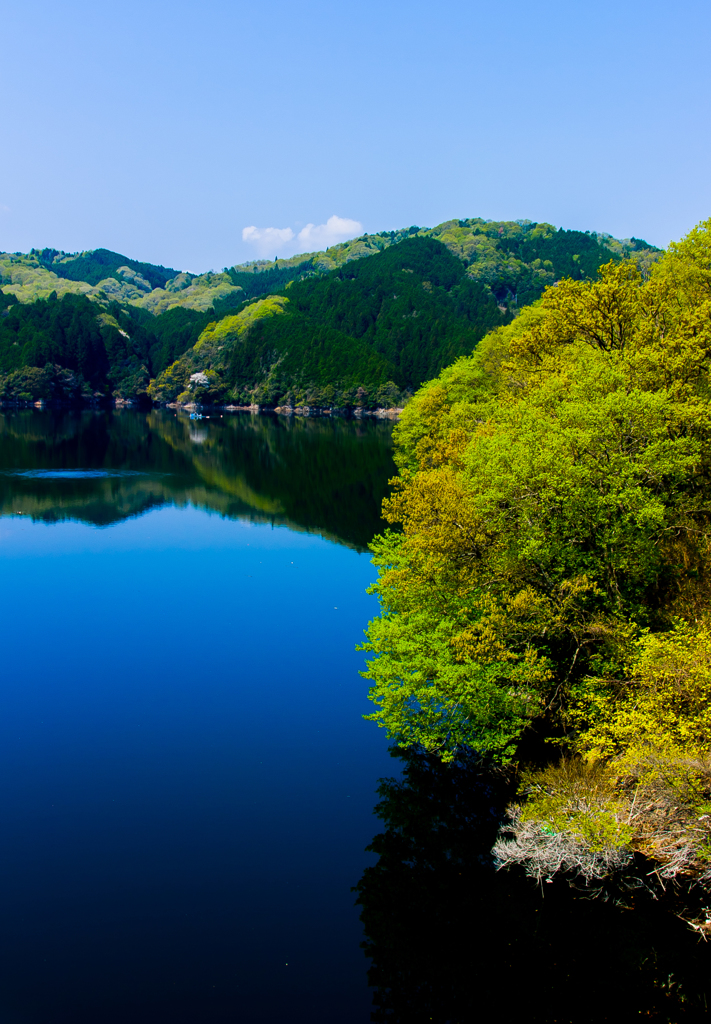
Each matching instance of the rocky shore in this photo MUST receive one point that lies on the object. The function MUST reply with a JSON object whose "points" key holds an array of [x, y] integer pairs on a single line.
{"points": [[308, 410], [346, 412]]}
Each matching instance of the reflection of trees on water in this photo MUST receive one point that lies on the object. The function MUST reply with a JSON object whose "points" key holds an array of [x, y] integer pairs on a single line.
{"points": [[451, 941], [327, 476]]}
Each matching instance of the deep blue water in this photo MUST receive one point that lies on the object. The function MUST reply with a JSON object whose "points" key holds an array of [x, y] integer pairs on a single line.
{"points": [[186, 779], [187, 782]]}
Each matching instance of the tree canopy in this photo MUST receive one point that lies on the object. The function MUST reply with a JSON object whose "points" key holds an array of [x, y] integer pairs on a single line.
{"points": [[545, 590]]}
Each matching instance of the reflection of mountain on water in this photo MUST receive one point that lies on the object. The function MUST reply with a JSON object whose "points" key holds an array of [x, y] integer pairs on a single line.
{"points": [[452, 941], [326, 476]]}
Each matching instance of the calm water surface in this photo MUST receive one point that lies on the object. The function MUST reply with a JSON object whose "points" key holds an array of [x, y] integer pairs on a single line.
{"points": [[186, 781]]}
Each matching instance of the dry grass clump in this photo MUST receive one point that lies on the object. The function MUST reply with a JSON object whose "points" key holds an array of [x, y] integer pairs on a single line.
{"points": [[573, 821]]}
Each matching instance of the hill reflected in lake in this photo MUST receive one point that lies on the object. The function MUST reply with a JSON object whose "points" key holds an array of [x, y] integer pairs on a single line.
{"points": [[324, 476]]}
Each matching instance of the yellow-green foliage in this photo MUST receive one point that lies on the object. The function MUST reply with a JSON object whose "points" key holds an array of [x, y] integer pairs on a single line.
{"points": [[106, 320], [170, 383], [28, 280], [24, 277], [333, 257], [480, 250], [580, 800], [191, 292], [653, 731], [662, 709], [211, 348], [233, 328]]}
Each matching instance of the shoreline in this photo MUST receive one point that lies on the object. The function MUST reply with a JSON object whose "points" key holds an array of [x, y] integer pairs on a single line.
{"points": [[344, 412], [298, 410]]}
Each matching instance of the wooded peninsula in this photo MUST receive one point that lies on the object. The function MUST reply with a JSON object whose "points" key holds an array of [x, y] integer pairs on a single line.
{"points": [[545, 585]]}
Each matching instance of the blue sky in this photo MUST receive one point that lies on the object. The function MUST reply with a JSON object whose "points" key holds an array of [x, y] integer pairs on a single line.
{"points": [[163, 130]]}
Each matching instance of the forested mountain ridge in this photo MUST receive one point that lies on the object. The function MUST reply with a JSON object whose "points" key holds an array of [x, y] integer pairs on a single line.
{"points": [[101, 264], [381, 326], [333, 340], [507, 256], [105, 276]]}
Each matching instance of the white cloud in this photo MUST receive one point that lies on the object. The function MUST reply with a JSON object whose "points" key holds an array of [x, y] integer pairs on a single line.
{"points": [[336, 229], [267, 241], [311, 238]]}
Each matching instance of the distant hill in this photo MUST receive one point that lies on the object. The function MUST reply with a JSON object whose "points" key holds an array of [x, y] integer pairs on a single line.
{"points": [[512, 258], [391, 321], [100, 264], [104, 276], [366, 320]]}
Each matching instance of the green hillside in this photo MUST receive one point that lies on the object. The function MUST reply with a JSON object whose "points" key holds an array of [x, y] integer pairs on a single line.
{"points": [[107, 350], [364, 322], [391, 321], [100, 264]]}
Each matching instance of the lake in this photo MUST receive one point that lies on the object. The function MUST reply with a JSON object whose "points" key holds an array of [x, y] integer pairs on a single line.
{"points": [[187, 784], [186, 779]]}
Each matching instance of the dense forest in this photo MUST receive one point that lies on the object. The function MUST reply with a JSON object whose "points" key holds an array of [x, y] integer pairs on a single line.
{"points": [[390, 322], [100, 264], [364, 323], [545, 587]]}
